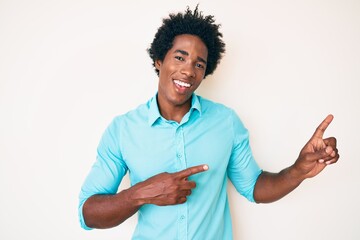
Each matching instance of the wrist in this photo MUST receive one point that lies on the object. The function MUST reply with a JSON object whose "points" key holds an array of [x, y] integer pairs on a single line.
{"points": [[295, 174], [133, 198]]}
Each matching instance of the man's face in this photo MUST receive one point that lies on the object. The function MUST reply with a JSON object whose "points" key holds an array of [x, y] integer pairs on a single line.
{"points": [[181, 71]]}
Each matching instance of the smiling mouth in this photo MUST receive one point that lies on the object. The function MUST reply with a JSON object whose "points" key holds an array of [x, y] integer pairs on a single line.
{"points": [[182, 84]]}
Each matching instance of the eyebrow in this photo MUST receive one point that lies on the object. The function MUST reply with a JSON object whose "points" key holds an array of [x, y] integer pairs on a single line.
{"points": [[187, 54]]}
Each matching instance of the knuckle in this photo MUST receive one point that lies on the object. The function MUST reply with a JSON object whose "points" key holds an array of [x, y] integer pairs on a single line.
{"points": [[188, 172], [172, 199], [182, 200], [174, 188]]}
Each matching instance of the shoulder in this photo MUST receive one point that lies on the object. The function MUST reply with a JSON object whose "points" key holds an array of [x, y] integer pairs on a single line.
{"points": [[138, 114], [212, 107], [223, 113]]}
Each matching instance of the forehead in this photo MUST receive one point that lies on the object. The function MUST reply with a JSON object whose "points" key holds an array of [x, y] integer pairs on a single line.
{"points": [[191, 44]]}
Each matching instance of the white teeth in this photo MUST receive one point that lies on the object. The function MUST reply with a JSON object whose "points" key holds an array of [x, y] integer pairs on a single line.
{"points": [[183, 84]]}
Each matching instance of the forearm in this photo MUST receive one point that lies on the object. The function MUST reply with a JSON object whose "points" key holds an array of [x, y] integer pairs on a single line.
{"points": [[106, 211], [271, 187]]}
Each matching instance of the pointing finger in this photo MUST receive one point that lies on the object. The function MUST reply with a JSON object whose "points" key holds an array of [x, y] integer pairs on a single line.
{"points": [[192, 170], [319, 132]]}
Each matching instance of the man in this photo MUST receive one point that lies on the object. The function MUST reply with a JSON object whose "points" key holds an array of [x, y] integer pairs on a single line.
{"points": [[180, 149]]}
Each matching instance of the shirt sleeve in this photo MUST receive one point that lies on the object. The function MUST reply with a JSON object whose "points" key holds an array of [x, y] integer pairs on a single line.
{"points": [[107, 171], [243, 171]]}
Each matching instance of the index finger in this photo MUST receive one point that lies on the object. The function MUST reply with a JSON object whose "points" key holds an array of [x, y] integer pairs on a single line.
{"points": [[192, 170], [319, 132]]}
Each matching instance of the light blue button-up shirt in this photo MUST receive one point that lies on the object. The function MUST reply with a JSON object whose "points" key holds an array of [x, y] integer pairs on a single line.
{"points": [[144, 144]]}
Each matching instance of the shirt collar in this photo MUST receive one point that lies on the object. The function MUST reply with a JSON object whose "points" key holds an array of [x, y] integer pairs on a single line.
{"points": [[154, 113]]}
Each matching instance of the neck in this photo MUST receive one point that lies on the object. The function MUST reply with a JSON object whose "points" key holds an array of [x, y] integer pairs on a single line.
{"points": [[173, 112]]}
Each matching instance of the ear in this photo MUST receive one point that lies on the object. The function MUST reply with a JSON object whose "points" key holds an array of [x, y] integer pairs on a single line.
{"points": [[158, 64]]}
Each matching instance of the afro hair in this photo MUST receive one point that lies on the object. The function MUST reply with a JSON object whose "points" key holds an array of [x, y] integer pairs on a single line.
{"points": [[193, 23]]}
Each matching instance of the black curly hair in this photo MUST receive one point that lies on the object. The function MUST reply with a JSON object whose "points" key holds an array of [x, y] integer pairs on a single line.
{"points": [[194, 23]]}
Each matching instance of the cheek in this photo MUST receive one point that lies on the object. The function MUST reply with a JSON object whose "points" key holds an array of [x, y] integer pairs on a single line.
{"points": [[166, 69], [200, 73], [197, 84], [200, 77]]}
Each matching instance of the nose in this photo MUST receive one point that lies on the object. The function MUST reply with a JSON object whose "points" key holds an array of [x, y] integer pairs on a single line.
{"points": [[188, 69]]}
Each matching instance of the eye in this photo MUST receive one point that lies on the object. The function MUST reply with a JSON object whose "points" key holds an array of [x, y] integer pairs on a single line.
{"points": [[179, 58], [199, 65]]}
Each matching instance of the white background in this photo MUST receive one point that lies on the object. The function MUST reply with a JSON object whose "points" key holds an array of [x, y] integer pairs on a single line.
{"points": [[68, 67]]}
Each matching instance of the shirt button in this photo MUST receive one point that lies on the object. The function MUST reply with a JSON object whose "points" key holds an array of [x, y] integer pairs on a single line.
{"points": [[182, 217], [179, 155]]}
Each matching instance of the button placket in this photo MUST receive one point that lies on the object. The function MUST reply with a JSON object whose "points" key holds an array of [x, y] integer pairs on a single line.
{"points": [[181, 160], [183, 221], [180, 147]]}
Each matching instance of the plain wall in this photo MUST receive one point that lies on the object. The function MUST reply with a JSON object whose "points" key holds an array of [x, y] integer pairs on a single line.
{"points": [[68, 67]]}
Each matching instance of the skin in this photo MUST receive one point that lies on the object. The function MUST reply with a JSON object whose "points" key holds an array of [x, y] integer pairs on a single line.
{"points": [[186, 62]]}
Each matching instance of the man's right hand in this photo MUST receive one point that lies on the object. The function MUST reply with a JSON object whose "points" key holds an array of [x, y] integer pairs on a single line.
{"points": [[166, 188], [105, 211]]}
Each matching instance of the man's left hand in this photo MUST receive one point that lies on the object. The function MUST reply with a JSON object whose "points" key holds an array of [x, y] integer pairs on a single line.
{"points": [[318, 152]]}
